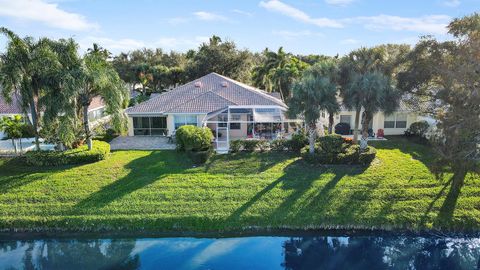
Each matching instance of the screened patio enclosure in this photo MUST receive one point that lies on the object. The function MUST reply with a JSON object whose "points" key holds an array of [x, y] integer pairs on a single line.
{"points": [[250, 122]]}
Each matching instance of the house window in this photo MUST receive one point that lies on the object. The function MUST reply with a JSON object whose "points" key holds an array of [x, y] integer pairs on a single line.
{"points": [[346, 119], [395, 121], [401, 121], [146, 126], [182, 120], [235, 117]]}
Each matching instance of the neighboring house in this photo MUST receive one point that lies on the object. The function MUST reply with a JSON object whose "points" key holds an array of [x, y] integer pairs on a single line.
{"points": [[96, 110], [231, 109], [7, 109], [393, 124]]}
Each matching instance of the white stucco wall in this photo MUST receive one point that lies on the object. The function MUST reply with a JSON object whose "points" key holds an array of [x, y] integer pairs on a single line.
{"points": [[377, 121]]}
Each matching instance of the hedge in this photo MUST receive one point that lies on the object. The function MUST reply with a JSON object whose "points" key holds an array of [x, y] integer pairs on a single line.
{"points": [[333, 149], [80, 155]]}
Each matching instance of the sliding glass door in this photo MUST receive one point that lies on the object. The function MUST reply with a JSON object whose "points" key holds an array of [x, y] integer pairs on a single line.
{"points": [[150, 126]]}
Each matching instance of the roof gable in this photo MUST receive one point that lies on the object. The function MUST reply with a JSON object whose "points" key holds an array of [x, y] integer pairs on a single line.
{"points": [[206, 94]]}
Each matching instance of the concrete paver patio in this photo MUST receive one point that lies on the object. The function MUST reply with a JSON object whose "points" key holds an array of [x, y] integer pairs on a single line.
{"points": [[141, 143]]}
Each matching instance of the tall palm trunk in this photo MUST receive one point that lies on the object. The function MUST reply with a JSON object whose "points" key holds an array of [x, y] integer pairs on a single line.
{"points": [[357, 123], [330, 123], [311, 138], [33, 112], [366, 119], [86, 125]]}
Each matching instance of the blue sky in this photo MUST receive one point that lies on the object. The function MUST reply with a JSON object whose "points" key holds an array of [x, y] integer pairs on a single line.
{"points": [[306, 27]]}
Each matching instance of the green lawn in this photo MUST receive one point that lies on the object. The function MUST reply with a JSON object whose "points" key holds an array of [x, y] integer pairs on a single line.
{"points": [[158, 191]]}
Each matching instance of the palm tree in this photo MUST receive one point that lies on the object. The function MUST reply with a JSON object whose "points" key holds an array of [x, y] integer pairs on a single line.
{"points": [[314, 92], [367, 84], [277, 72], [97, 77], [13, 128], [26, 70], [376, 94]]}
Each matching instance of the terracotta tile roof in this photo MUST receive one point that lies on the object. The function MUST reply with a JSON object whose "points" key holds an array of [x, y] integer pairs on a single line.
{"points": [[15, 108], [97, 102], [206, 94], [10, 108]]}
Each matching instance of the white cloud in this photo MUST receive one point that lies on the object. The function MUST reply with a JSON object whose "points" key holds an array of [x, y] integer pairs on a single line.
{"points": [[47, 13], [241, 12], [208, 16], [295, 34], [432, 24], [452, 3], [282, 8], [339, 2]]}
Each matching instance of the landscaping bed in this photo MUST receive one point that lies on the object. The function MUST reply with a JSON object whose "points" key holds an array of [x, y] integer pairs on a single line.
{"points": [[163, 191]]}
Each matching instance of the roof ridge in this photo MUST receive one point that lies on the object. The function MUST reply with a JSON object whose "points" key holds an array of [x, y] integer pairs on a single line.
{"points": [[195, 97], [253, 89]]}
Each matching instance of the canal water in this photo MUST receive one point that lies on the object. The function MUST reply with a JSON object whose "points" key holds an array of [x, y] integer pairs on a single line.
{"points": [[356, 252]]}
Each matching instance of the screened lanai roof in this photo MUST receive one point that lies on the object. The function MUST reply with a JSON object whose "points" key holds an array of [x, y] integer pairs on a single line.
{"points": [[260, 114]]}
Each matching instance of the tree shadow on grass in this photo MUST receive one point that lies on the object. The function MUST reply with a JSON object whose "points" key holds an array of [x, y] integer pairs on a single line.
{"points": [[445, 214], [143, 172], [14, 173], [245, 163], [299, 177]]}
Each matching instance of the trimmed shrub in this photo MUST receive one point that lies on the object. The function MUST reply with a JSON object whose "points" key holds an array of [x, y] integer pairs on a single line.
{"points": [[419, 128], [80, 155], [250, 145], [193, 138], [278, 145], [263, 145], [200, 157], [297, 142], [332, 143], [367, 156], [236, 146], [333, 150], [417, 132]]}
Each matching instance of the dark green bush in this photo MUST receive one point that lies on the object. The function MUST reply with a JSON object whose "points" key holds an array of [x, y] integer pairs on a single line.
{"points": [[80, 155], [344, 154], [193, 138], [332, 143], [251, 145], [200, 157], [297, 142], [367, 156], [278, 145], [236, 145], [419, 129], [28, 131]]}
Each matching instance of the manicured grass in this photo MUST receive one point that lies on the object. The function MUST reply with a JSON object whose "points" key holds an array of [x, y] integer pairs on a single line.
{"points": [[159, 191]]}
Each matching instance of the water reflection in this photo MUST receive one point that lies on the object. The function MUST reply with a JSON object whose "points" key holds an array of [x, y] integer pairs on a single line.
{"points": [[244, 253]]}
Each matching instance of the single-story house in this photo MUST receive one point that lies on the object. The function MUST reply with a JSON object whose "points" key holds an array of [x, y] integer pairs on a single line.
{"points": [[231, 109], [392, 124], [96, 110]]}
